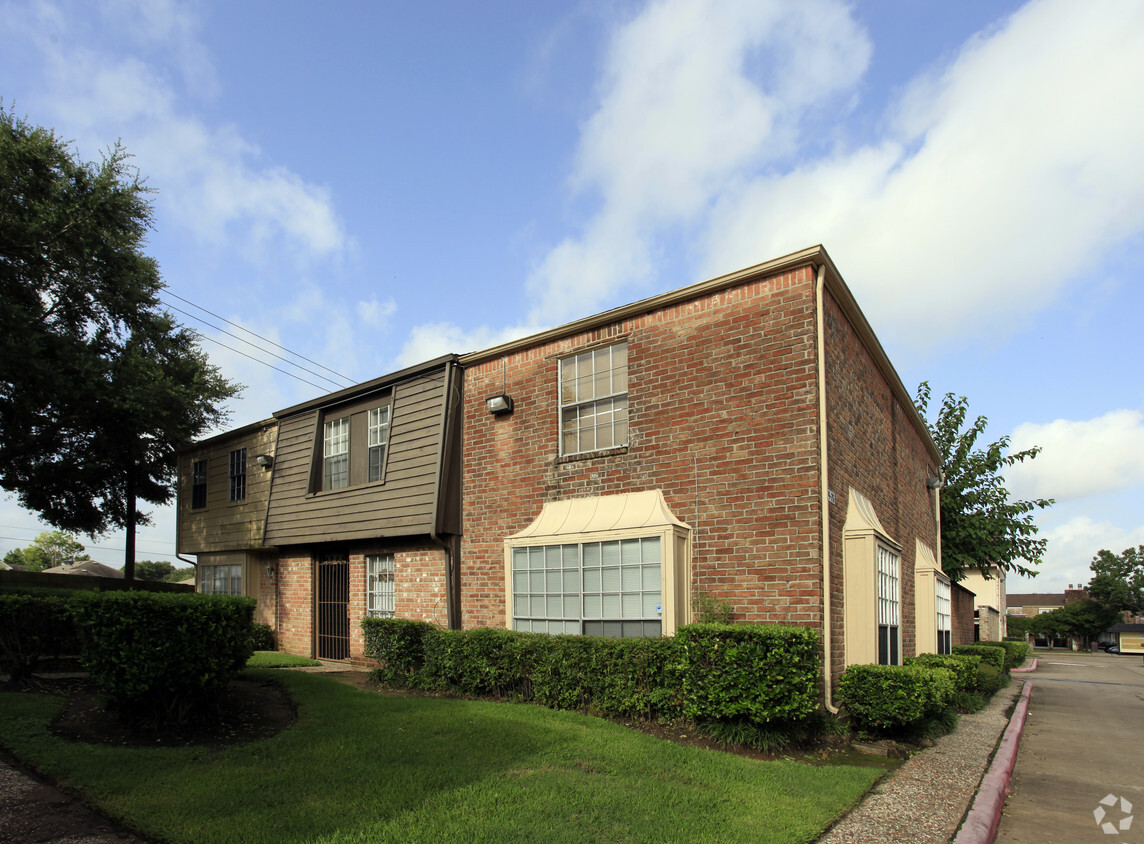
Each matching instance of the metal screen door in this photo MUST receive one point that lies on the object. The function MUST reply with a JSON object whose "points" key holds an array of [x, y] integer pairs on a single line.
{"points": [[333, 606]]}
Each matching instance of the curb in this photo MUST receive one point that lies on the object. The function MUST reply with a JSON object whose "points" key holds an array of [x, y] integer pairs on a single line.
{"points": [[1028, 670], [984, 816]]}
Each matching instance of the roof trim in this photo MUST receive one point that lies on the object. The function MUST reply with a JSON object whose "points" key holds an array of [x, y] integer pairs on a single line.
{"points": [[366, 386], [231, 434]]}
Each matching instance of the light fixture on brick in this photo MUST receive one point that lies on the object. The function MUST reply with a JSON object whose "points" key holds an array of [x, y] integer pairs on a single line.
{"points": [[499, 404]]}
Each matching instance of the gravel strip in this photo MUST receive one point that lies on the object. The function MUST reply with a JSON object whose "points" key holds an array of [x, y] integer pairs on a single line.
{"points": [[924, 801]]}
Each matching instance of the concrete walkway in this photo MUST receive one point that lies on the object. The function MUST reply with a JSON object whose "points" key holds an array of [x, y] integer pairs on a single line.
{"points": [[1083, 741]]}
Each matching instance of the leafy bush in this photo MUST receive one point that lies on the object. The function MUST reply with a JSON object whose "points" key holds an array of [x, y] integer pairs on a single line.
{"points": [[1015, 652], [991, 653], [990, 680], [34, 625], [711, 610], [397, 643], [970, 701], [761, 672], [962, 666], [262, 637], [894, 698], [161, 657]]}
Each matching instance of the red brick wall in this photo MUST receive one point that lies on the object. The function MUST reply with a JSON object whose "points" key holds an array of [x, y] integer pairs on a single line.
{"points": [[419, 577], [723, 418], [962, 601], [873, 447]]}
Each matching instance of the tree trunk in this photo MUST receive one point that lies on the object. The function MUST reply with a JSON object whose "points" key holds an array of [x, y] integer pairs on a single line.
{"points": [[129, 544]]}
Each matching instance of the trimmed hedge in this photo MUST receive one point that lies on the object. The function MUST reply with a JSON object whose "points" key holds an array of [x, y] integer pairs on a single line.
{"points": [[162, 657], [262, 637], [991, 653], [34, 625], [761, 672], [706, 672], [892, 698], [962, 666], [1015, 652]]}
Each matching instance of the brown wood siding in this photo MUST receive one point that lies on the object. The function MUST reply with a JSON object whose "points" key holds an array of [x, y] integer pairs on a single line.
{"points": [[400, 506], [225, 525]]}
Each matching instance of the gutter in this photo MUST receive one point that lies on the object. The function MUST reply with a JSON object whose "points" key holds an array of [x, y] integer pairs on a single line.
{"points": [[450, 544], [824, 493]]}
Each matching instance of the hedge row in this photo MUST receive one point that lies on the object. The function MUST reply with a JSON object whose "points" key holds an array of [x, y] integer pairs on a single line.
{"points": [[761, 673], [158, 657], [963, 667], [1015, 652], [891, 698], [992, 653]]}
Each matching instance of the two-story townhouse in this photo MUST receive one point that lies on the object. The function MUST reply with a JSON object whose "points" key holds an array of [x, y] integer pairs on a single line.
{"points": [[746, 437]]}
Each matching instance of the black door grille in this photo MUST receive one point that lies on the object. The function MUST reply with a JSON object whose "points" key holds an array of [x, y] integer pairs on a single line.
{"points": [[333, 607]]}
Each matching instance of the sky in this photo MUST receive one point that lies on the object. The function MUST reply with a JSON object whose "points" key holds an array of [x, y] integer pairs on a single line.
{"points": [[370, 185]]}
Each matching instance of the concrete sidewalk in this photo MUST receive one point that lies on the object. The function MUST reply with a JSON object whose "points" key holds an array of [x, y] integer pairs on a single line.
{"points": [[1083, 741]]}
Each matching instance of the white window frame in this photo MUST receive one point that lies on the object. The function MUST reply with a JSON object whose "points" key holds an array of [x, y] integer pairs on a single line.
{"points": [[943, 605], [381, 585], [336, 453], [378, 427], [610, 587], [593, 390], [889, 596], [221, 580], [237, 484]]}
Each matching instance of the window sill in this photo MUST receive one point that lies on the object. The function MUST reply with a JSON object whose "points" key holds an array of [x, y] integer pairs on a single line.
{"points": [[592, 455]]}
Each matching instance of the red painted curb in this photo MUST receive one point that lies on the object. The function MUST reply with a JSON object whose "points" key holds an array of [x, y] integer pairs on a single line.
{"points": [[1031, 668], [984, 816]]}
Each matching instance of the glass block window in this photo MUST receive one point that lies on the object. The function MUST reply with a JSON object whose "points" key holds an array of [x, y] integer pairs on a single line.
{"points": [[199, 485], [238, 475], [378, 440], [596, 588], [336, 454], [889, 606], [944, 616], [594, 400], [220, 580], [379, 590]]}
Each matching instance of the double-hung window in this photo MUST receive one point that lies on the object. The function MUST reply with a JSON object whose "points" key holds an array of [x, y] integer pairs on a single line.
{"points": [[889, 606], [336, 453], [611, 588], [943, 605], [238, 475], [220, 580], [594, 400], [378, 440], [380, 592], [199, 485]]}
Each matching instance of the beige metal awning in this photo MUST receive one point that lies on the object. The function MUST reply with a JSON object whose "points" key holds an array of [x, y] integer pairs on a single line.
{"points": [[628, 511]]}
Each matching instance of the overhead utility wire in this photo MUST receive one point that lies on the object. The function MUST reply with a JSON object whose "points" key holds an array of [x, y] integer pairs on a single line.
{"points": [[256, 360], [167, 292], [255, 346]]}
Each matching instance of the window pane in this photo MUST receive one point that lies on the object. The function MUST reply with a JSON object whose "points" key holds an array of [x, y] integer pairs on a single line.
{"points": [[611, 581], [630, 579], [376, 460], [554, 606], [652, 575], [630, 552], [591, 554], [610, 552], [651, 605], [520, 558], [571, 580], [592, 606], [632, 605], [552, 581], [611, 606], [650, 549], [591, 580]]}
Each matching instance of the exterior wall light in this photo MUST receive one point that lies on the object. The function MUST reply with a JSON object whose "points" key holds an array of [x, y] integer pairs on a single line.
{"points": [[264, 460], [499, 404]]}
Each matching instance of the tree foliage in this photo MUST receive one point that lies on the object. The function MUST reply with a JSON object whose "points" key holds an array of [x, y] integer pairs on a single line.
{"points": [[1118, 579], [1082, 620], [50, 549], [99, 386], [981, 526]]}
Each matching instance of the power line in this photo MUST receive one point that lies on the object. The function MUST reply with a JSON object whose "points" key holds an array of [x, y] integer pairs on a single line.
{"points": [[253, 345], [167, 292], [256, 360]]}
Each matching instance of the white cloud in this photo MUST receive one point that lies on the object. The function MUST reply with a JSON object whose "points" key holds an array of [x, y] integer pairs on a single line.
{"points": [[684, 113], [1072, 545], [1001, 178], [1079, 458], [435, 339]]}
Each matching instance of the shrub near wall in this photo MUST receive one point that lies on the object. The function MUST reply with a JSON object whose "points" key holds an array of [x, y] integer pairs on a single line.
{"points": [[160, 657], [1015, 652], [993, 654], [962, 666], [34, 625], [892, 698]]}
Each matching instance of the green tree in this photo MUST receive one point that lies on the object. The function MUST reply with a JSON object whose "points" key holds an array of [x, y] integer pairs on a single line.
{"points": [[1019, 625], [59, 547], [27, 559], [1118, 579], [153, 570], [99, 387], [980, 525], [1083, 620]]}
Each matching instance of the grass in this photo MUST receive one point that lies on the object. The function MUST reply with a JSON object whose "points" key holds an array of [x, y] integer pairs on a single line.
{"points": [[273, 659], [359, 766]]}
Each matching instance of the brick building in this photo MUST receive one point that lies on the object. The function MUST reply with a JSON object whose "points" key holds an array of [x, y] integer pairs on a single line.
{"points": [[746, 438]]}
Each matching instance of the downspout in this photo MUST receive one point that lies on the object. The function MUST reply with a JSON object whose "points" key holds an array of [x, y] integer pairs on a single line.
{"points": [[824, 493], [449, 546]]}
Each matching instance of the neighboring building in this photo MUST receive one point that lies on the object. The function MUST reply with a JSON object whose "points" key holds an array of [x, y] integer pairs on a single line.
{"points": [[991, 602], [1130, 637], [88, 567], [1029, 604], [745, 437]]}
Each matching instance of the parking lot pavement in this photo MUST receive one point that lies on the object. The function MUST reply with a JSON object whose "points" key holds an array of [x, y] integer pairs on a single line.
{"points": [[1080, 765]]}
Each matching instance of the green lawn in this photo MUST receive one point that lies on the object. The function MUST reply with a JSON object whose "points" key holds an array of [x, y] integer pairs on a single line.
{"points": [[274, 659], [358, 766]]}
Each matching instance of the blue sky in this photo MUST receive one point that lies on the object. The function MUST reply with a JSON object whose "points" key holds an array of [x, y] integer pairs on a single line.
{"points": [[372, 186]]}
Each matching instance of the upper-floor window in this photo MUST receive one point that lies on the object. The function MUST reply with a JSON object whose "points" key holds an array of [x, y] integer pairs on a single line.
{"points": [[943, 605], [238, 475], [199, 485], [378, 440], [336, 454], [355, 445], [594, 400], [889, 606]]}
